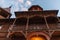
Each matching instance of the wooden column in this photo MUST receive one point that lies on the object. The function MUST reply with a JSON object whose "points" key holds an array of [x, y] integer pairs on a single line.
{"points": [[48, 29], [27, 25], [10, 28]]}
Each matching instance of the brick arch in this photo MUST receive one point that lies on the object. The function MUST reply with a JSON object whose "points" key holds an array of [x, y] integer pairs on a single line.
{"points": [[17, 36], [38, 33]]}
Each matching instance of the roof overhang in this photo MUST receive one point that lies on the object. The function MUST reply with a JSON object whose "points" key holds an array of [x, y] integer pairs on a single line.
{"points": [[29, 13], [4, 13]]}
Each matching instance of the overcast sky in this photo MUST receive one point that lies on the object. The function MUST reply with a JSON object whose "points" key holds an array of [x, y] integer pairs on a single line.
{"points": [[23, 5]]}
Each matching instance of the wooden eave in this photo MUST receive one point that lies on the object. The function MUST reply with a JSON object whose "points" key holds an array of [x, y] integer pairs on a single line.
{"points": [[35, 13], [4, 13]]}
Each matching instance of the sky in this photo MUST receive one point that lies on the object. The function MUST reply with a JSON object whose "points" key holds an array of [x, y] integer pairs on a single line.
{"points": [[23, 5]]}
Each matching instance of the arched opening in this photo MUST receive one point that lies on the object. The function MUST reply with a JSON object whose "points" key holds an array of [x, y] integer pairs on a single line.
{"points": [[39, 37], [17, 36]]}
